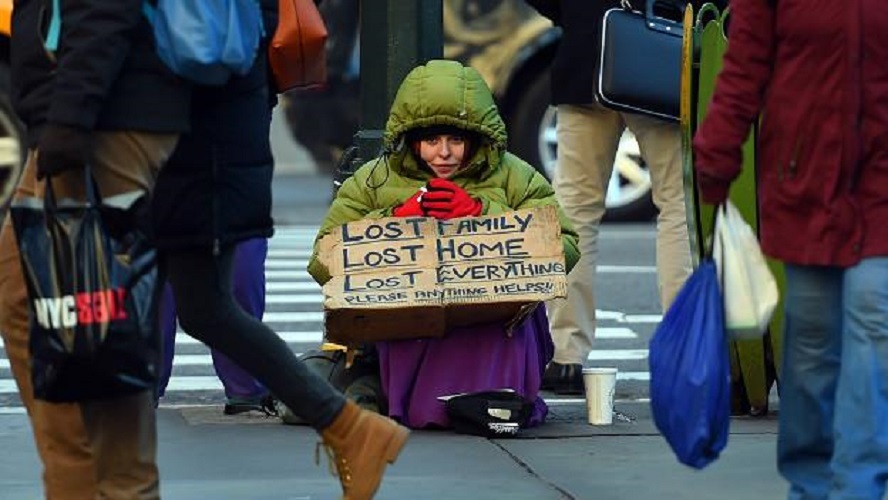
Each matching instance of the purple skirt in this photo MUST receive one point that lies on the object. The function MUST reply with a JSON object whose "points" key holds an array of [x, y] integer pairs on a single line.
{"points": [[468, 359]]}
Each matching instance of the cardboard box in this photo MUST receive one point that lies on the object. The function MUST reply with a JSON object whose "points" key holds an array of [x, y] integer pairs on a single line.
{"points": [[415, 277]]}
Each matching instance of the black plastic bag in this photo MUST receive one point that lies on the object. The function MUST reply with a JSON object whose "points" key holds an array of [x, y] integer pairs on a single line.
{"points": [[91, 276], [492, 414]]}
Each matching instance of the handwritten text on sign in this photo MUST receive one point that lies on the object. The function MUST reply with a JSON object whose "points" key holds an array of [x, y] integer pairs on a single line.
{"points": [[398, 262]]}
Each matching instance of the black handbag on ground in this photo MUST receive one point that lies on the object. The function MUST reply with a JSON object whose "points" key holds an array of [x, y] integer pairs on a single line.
{"points": [[91, 276], [639, 68]]}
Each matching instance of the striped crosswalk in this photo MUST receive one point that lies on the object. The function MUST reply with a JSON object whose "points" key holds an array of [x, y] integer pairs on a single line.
{"points": [[294, 310]]}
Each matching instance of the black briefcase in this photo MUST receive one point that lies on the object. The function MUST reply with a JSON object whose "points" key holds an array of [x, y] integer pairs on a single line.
{"points": [[639, 68]]}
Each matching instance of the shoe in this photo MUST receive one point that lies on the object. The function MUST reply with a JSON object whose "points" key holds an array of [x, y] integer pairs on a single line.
{"points": [[563, 379], [265, 405], [359, 445]]}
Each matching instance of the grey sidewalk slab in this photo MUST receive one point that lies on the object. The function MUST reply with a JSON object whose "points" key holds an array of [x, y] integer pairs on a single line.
{"points": [[205, 455]]}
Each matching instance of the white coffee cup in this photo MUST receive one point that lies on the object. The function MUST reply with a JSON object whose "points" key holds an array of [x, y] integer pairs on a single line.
{"points": [[600, 384]]}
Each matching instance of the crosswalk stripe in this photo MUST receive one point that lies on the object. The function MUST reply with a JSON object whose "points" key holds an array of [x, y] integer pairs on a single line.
{"points": [[286, 264], [183, 338], [272, 287], [297, 298], [211, 382], [315, 337], [207, 359]]}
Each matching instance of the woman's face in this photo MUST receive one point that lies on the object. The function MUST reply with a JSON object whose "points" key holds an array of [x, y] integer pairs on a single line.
{"points": [[443, 153]]}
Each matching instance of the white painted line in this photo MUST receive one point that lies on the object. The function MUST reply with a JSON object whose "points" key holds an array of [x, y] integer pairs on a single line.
{"points": [[289, 275], [294, 298], [289, 253], [15, 410], [183, 338], [212, 383], [652, 319], [293, 317], [638, 376], [289, 286], [285, 264], [207, 359], [618, 354], [615, 333]]}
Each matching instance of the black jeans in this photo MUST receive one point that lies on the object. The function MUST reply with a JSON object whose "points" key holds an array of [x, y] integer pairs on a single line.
{"points": [[202, 285]]}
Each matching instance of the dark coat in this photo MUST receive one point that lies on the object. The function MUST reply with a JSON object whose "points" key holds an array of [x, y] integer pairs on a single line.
{"points": [[216, 187], [575, 68], [109, 76], [817, 71]]}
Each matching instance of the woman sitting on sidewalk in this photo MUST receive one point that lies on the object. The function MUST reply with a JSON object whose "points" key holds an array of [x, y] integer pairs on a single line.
{"points": [[445, 157]]}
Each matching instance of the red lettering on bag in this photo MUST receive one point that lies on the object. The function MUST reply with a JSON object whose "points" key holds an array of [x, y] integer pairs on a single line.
{"points": [[100, 307], [84, 309]]}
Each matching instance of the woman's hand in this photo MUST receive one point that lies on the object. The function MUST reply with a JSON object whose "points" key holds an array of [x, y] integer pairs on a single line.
{"points": [[445, 200], [411, 207]]}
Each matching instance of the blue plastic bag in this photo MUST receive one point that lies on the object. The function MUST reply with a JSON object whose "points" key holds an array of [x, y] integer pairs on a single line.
{"points": [[691, 373], [206, 41]]}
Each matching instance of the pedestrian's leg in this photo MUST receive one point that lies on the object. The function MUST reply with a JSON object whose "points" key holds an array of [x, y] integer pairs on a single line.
{"points": [[249, 291], [362, 442], [62, 443], [168, 337], [660, 145], [587, 142], [812, 350], [860, 459], [122, 430]]}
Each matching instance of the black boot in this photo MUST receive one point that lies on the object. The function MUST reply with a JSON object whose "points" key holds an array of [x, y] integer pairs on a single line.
{"points": [[563, 379]]}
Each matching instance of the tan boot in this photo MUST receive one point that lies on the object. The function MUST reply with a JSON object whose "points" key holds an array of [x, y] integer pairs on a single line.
{"points": [[360, 443]]}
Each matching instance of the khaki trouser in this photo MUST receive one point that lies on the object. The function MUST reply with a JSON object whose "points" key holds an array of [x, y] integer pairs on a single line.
{"points": [[588, 137], [99, 449]]}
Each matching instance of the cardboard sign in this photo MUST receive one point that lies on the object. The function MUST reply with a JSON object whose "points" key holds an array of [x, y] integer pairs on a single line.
{"points": [[418, 276]]}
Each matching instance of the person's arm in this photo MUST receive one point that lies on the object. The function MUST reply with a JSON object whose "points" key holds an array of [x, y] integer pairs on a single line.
{"points": [[95, 41], [738, 98]]}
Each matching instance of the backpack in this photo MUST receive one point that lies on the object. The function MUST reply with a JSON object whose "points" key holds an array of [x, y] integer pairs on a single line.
{"points": [[204, 41]]}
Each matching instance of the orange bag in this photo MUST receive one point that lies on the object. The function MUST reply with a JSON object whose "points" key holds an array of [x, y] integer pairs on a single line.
{"points": [[296, 52]]}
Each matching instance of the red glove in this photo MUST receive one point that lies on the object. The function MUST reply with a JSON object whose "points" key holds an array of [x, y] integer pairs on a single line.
{"points": [[713, 191], [446, 200], [411, 207]]}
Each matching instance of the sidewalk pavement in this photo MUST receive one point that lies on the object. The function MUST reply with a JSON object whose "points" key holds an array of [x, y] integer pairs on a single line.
{"points": [[203, 454]]}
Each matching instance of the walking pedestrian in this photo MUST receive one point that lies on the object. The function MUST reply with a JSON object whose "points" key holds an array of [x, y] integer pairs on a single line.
{"points": [[588, 135], [214, 192], [106, 99], [816, 75], [444, 134]]}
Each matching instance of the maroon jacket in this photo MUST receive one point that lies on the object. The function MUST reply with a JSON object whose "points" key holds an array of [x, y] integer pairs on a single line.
{"points": [[817, 70]]}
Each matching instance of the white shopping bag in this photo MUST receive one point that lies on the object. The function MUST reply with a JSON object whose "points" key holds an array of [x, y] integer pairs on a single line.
{"points": [[748, 287]]}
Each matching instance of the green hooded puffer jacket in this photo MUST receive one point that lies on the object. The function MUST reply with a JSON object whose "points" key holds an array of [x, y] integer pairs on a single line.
{"points": [[443, 93]]}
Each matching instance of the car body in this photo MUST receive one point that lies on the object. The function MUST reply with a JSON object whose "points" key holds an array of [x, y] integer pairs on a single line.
{"points": [[512, 46]]}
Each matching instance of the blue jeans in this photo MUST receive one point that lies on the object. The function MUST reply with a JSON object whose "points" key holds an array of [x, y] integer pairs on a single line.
{"points": [[833, 440]]}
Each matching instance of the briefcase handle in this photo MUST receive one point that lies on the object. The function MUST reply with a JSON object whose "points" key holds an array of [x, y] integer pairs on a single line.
{"points": [[665, 25]]}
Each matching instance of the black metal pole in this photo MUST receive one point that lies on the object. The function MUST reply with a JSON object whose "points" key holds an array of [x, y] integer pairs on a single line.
{"points": [[396, 35]]}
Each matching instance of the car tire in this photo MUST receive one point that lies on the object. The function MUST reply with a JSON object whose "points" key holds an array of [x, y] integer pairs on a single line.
{"points": [[534, 141]]}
